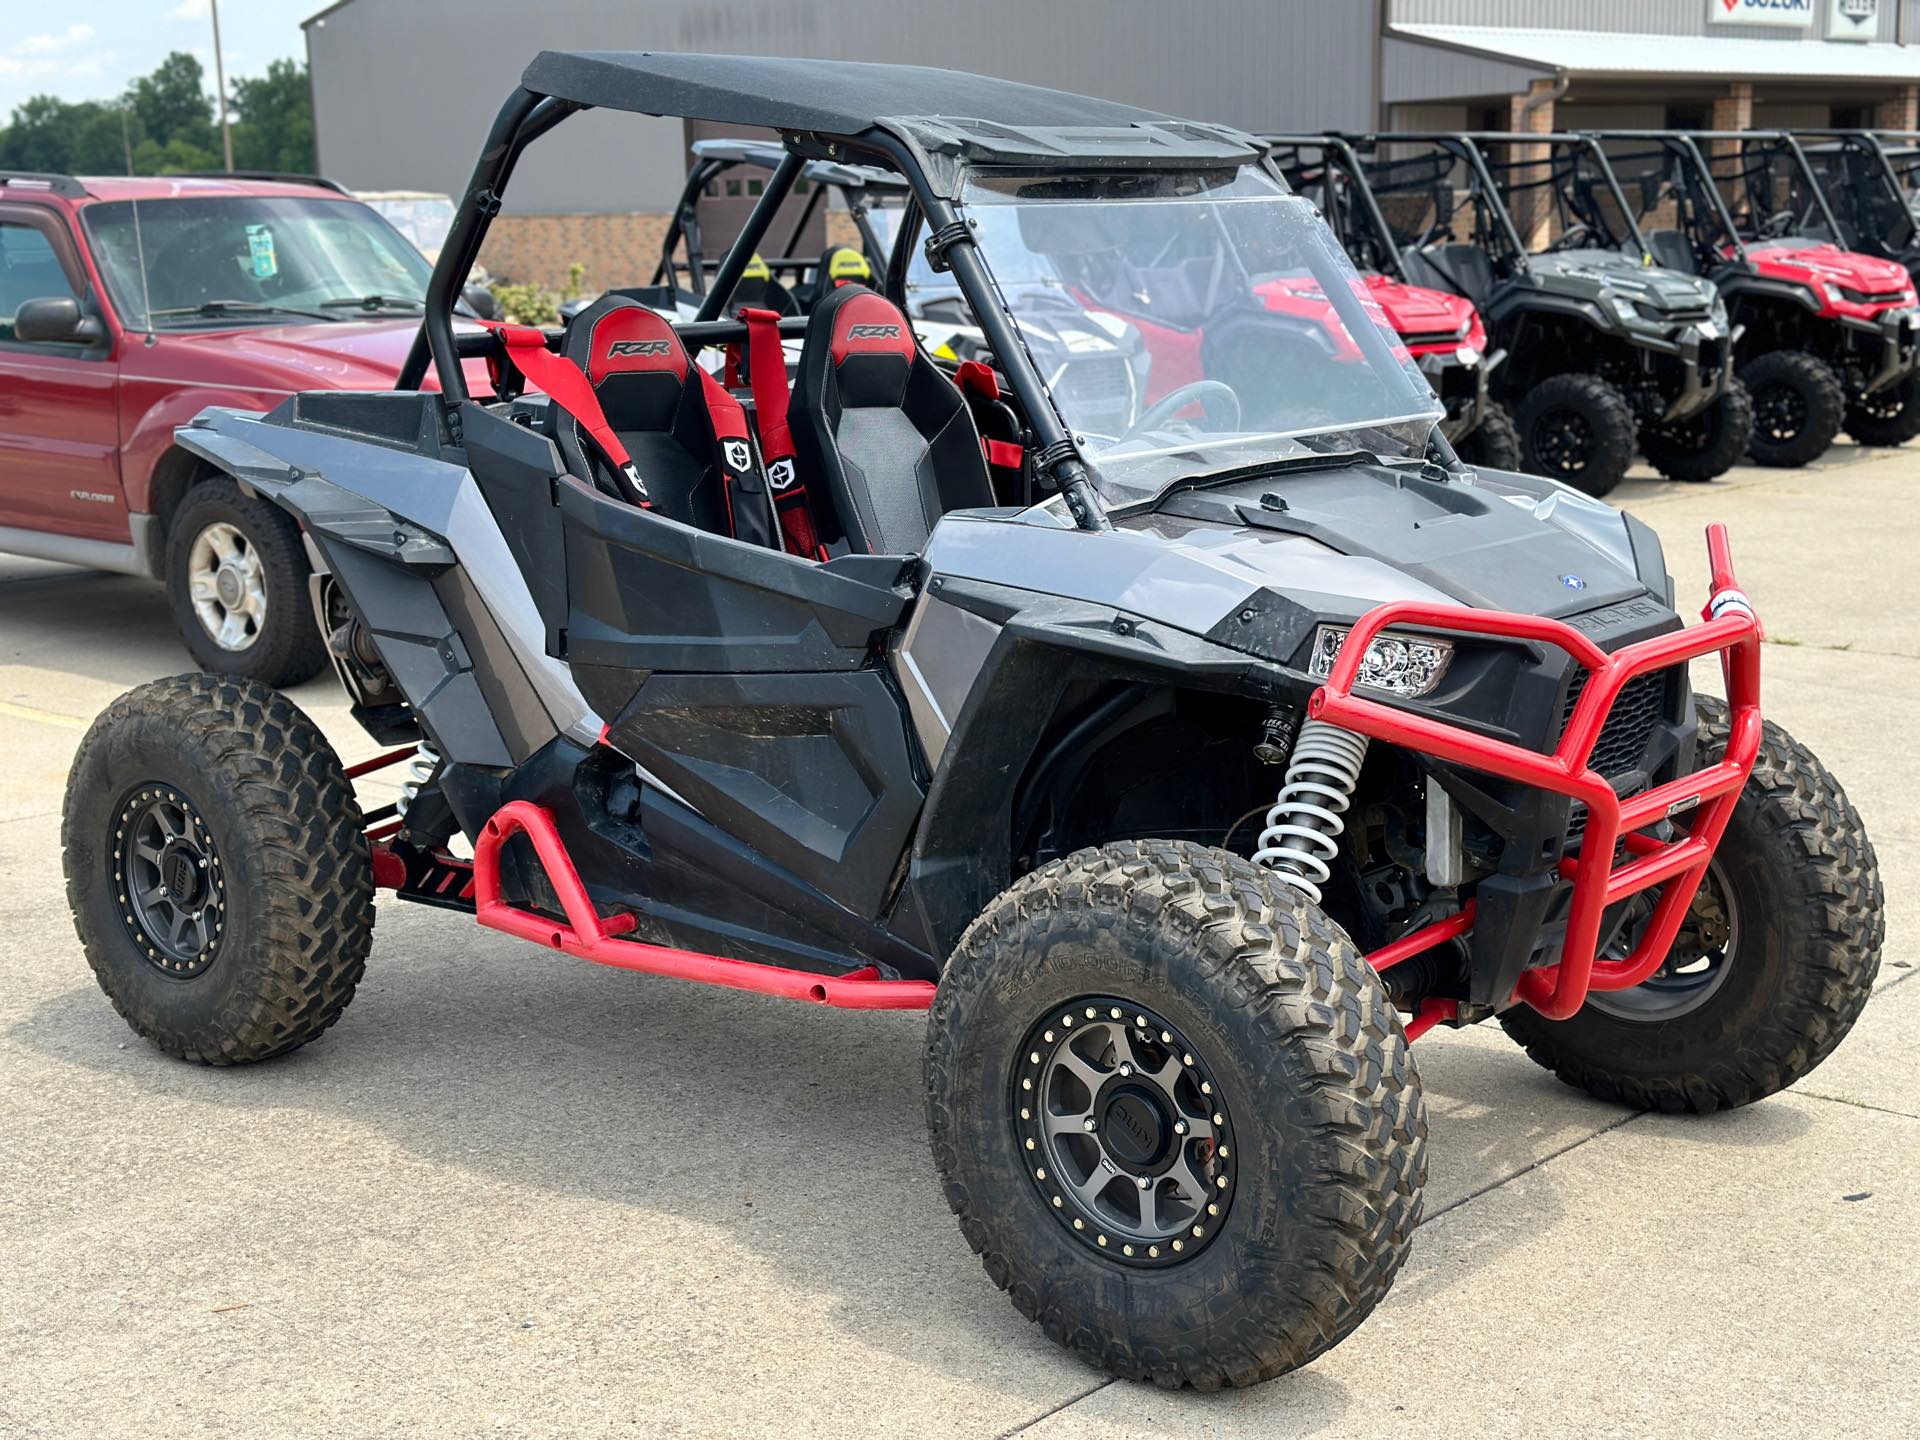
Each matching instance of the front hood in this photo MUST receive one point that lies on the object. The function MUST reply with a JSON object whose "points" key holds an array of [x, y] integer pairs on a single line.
{"points": [[1416, 310], [1346, 539], [1803, 259], [1589, 273], [344, 355]]}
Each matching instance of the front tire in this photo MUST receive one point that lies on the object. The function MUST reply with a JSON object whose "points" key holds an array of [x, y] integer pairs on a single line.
{"points": [[1704, 446], [1205, 994], [1888, 417], [1494, 443], [217, 869], [1577, 429], [237, 585], [1788, 928], [1798, 407]]}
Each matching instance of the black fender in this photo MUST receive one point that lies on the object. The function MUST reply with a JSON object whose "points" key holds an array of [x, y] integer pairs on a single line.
{"points": [[962, 854]]}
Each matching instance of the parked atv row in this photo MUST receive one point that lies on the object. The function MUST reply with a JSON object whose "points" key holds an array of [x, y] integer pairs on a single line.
{"points": [[1694, 298]]}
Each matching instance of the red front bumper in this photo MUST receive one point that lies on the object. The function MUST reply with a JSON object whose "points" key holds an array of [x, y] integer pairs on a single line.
{"points": [[1704, 800]]}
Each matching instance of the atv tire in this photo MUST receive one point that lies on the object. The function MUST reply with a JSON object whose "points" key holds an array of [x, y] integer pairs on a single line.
{"points": [[1888, 417], [1494, 443], [236, 582], [1576, 429], [1798, 878], [1798, 407], [1703, 446], [1301, 1063], [217, 869]]}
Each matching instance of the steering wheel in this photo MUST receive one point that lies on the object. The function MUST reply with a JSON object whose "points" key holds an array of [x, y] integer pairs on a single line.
{"points": [[1778, 224], [1574, 235], [1178, 399]]}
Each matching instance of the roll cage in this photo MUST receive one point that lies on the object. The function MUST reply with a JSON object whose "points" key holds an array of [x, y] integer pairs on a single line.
{"points": [[857, 185], [1868, 185], [1731, 193], [894, 117], [1347, 200], [1409, 163]]}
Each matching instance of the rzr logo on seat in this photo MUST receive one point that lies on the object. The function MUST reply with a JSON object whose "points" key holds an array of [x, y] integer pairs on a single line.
{"points": [[873, 332], [637, 347]]}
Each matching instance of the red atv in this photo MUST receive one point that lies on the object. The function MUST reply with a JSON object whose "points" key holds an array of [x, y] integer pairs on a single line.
{"points": [[1826, 335], [1444, 333], [177, 293]]}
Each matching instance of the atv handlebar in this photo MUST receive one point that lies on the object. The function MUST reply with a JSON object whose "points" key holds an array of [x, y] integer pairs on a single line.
{"points": [[1730, 627]]}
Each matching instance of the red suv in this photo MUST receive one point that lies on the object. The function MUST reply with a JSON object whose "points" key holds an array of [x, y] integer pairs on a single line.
{"points": [[129, 305]]}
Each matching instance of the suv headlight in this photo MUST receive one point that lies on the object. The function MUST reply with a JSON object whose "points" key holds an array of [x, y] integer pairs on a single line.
{"points": [[1408, 665]]}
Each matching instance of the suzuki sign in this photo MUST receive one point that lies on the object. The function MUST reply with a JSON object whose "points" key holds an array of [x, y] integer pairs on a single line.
{"points": [[1853, 19], [1788, 14]]}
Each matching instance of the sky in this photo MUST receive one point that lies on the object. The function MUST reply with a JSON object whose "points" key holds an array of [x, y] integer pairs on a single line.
{"points": [[90, 49]]}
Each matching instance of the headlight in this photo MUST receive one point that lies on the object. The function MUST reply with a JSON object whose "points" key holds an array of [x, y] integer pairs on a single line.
{"points": [[1718, 312], [1409, 665], [1624, 308]]}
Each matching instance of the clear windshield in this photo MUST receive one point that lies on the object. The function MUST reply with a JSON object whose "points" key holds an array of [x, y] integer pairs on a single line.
{"points": [[1190, 323], [237, 259], [425, 220]]}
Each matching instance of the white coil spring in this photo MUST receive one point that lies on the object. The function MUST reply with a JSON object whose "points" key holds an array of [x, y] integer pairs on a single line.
{"points": [[420, 769], [1305, 823]]}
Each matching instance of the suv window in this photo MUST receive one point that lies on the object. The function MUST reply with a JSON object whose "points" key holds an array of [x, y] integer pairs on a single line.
{"points": [[29, 270]]}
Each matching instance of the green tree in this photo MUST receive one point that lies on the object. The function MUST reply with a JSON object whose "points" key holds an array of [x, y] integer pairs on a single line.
{"points": [[40, 136], [273, 128], [172, 104]]}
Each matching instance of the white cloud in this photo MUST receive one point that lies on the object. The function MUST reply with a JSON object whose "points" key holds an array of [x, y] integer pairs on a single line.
{"points": [[52, 44], [189, 10]]}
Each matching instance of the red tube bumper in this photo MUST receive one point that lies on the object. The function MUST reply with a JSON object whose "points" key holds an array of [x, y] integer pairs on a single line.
{"points": [[1705, 798]]}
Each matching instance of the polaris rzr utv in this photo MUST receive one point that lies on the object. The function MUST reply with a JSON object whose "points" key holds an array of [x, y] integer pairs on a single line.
{"points": [[1604, 349], [1827, 335], [1266, 739], [1441, 330], [1604, 352]]}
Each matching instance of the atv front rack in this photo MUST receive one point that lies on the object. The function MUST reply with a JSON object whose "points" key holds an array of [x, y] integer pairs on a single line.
{"points": [[1708, 795]]}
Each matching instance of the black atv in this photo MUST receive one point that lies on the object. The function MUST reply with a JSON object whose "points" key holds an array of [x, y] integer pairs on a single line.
{"points": [[1605, 350], [1168, 795], [1442, 331], [1825, 335]]}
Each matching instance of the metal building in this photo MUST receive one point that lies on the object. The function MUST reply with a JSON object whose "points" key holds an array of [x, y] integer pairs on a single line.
{"points": [[403, 89]]}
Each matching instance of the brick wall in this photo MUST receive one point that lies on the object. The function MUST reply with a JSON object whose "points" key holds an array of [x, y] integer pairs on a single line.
{"points": [[616, 249]]}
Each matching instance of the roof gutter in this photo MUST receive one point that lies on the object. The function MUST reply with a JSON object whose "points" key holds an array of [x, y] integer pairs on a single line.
{"points": [[1554, 92]]}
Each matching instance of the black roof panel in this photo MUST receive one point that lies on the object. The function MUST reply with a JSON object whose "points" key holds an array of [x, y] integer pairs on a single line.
{"points": [[835, 97]]}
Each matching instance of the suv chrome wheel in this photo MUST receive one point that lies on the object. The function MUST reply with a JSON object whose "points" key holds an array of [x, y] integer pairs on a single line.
{"points": [[228, 586]]}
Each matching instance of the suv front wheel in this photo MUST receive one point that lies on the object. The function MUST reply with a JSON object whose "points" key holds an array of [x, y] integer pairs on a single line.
{"points": [[236, 580]]}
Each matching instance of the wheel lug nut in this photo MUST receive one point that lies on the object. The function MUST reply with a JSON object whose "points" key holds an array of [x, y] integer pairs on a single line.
{"points": [[1125, 1070], [1089, 1124], [1179, 1127], [1144, 1183]]}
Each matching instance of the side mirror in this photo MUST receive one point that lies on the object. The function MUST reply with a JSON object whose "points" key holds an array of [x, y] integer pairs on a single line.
{"points": [[481, 300], [56, 320]]}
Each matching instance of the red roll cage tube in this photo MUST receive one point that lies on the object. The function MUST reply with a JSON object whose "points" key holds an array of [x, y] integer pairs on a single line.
{"points": [[1709, 794]]}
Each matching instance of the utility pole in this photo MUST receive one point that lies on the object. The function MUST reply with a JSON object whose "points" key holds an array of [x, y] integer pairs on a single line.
{"points": [[220, 81]]}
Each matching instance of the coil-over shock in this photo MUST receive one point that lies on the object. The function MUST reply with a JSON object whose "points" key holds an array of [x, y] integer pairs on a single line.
{"points": [[1304, 826]]}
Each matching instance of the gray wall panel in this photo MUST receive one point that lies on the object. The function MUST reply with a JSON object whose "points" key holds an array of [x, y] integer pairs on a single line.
{"points": [[404, 89]]}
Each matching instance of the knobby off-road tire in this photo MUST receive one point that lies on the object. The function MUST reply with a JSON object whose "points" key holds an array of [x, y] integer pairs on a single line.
{"points": [[1308, 1063], [1704, 446], [1891, 417], [1494, 442], [1798, 407], [257, 794], [283, 648], [1805, 887], [1576, 429]]}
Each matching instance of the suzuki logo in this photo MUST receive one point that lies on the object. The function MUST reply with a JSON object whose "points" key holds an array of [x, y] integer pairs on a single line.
{"points": [[637, 347], [781, 474], [873, 332], [738, 456]]}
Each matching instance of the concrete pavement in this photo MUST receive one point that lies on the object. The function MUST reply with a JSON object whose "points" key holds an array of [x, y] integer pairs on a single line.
{"points": [[515, 1194]]}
